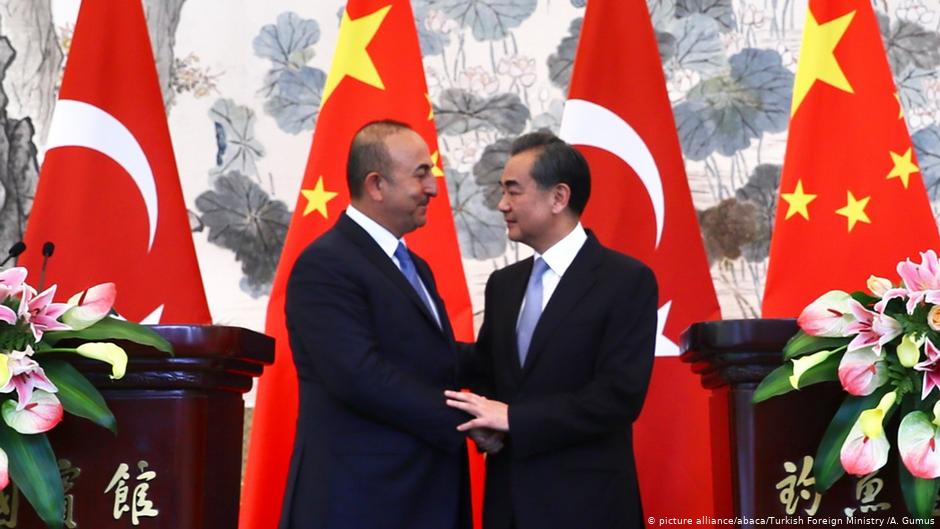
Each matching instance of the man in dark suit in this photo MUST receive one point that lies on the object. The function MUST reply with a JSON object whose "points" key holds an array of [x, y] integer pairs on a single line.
{"points": [[376, 448], [567, 348]]}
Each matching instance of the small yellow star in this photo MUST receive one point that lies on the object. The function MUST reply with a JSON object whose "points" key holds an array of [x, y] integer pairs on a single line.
{"points": [[904, 167], [854, 210], [436, 168], [317, 199], [798, 200], [351, 58], [900, 107], [817, 57], [430, 106]]}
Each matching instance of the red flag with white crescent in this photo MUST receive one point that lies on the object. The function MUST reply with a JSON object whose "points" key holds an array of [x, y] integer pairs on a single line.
{"points": [[109, 195], [618, 114]]}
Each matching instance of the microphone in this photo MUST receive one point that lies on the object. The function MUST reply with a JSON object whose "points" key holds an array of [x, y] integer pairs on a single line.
{"points": [[47, 250], [15, 251]]}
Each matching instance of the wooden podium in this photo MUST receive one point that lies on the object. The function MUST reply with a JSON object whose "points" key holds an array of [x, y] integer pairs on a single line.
{"points": [[176, 459], [770, 446]]}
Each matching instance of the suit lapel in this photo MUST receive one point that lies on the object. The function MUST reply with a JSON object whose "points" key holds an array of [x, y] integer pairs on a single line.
{"points": [[373, 252], [574, 285], [424, 272]]}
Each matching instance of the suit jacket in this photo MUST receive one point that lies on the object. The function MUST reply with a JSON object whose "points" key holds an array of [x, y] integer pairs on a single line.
{"points": [[376, 447], [568, 460]]}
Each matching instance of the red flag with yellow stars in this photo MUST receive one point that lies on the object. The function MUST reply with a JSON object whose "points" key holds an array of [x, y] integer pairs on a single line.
{"points": [[852, 201], [376, 73]]}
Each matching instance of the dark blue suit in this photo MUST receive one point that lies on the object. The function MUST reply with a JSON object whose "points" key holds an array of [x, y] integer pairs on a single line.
{"points": [[376, 446]]}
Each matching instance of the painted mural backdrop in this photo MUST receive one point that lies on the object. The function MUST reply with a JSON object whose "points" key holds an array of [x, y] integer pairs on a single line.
{"points": [[243, 80]]}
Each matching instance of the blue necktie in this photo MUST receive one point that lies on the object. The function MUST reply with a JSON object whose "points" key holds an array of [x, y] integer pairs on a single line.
{"points": [[532, 309], [408, 268]]}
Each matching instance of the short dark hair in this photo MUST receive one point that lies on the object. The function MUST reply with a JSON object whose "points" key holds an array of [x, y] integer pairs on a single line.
{"points": [[368, 153], [557, 163]]}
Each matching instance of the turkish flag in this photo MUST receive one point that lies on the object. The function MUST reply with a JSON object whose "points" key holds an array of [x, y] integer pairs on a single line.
{"points": [[852, 201], [109, 195], [619, 115], [376, 73]]}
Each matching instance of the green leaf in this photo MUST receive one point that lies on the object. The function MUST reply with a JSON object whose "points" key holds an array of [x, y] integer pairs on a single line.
{"points": [[802, 344], [827, 467], [33, 468], [919, 494], [864, 299], [777, 382], [113, 329], [77, 395], [826, 371]]}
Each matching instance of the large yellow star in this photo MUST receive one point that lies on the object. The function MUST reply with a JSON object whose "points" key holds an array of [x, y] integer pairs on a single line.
{"points": [[351, 58], [904, 167], [817, 57], [854, 210], [436, 168], [317, 199], [798, 200]]}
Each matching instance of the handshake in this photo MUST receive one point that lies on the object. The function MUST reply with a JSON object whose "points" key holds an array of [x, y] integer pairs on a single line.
{"points": [[490, 421], [487, 441]]}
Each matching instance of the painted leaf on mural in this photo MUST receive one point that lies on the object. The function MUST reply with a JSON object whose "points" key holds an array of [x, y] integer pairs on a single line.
{"points": [[487, 19], [927, 149], [480, 229], [487, 171], [560, 62], [243, 218], [295, 102], [461, 111], [698, 44], [238, 150], [721, 11]]}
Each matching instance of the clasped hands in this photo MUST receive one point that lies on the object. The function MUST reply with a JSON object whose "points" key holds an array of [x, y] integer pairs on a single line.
{"points": [[490, 422]]}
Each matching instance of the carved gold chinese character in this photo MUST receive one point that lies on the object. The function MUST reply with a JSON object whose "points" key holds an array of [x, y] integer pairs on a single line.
{"points": [[801, 477], [140, 506]]}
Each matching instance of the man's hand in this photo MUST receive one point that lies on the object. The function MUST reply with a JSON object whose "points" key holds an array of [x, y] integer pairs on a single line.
{"points": [[491, 414], [489, 441]]}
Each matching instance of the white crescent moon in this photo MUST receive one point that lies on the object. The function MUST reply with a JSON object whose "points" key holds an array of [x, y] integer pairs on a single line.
{"points": [[79, 124], [587, 123]]}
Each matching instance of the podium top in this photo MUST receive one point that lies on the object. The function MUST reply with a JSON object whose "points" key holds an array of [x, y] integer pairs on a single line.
{"points": [[205, 357], [732, 352]]}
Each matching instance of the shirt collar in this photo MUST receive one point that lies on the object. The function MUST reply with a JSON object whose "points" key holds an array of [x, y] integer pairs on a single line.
{"points": [[384, 238], [560, 256]]}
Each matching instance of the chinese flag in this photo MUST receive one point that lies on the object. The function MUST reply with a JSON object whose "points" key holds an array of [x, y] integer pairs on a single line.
{"points": [[619, 115], [109, 196], [376, 74], [852, 201]]}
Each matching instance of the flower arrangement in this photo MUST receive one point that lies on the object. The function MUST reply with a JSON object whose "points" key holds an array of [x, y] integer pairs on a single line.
{"points": [[884, 349], [37, 387]]}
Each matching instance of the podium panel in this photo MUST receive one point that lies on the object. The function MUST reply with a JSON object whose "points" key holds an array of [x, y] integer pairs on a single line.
{"points": [[176, 459], [772, 444]]}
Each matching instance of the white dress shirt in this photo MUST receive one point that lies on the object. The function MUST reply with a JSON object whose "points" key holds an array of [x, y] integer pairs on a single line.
{"points": [[558, 258], [388, 243]]}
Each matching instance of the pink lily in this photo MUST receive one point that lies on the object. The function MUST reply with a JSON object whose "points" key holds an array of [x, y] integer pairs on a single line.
{"points": [[41, 313], [930, 367], [918, 440], [41, 414], [828, 315], [861, 372], [90, 306], [865, 449], [4, 470], [11, 280], [26, 376], [921, 282], [874, 328]]}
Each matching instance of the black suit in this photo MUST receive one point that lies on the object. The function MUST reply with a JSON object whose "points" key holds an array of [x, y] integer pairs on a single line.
{"points": [[376, 446], [568, 461]]}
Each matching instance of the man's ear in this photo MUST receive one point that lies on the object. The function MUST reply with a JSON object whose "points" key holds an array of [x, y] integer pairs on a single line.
{"points": [[561, 194], [372, 185]]}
